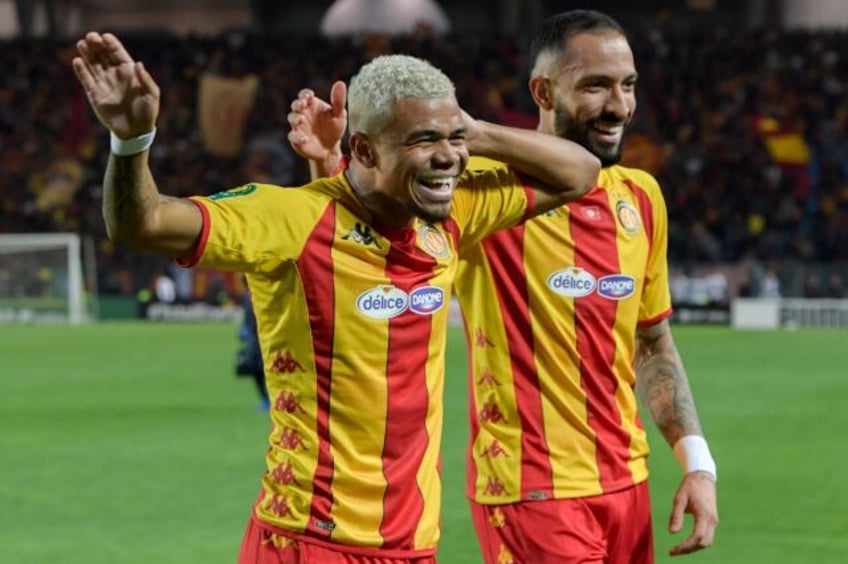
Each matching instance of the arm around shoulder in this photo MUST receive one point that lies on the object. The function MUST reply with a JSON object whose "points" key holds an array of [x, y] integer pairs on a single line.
{"points": [[565, 170]]}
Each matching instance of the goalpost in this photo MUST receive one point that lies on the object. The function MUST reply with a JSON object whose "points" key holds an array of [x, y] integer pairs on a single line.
{"points": [[41, 278]]}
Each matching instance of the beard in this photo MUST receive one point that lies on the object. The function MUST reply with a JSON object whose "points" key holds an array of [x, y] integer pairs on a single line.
{"points": [[433, 215], [567, 127]]}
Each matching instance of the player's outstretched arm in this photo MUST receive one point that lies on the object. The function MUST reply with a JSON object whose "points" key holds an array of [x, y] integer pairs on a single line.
{"points": [[125, 99], [663, 386], [317, 128]]}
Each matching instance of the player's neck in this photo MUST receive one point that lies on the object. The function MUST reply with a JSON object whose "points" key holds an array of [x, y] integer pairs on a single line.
{"points": [[384, 210]]}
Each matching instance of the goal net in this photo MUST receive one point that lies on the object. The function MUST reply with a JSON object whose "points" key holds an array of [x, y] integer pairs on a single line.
{"points": [[41, 278]]}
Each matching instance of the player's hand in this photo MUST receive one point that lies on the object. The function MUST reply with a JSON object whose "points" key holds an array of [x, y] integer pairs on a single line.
{"points": [[473, 130], [317, 127], [697, 496], [121, 92]]}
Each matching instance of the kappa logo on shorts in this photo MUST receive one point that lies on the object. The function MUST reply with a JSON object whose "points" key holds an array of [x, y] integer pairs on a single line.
{"points": [[234, 193]]}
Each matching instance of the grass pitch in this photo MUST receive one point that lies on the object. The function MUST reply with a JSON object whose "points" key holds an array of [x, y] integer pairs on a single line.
{"points": [[134, 443]]}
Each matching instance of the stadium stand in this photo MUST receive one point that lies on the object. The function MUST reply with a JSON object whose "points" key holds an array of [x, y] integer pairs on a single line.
{"points": [[746, 131]]}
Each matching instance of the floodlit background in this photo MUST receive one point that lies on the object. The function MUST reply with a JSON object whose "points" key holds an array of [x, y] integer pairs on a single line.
{"points": [[125, 436]]}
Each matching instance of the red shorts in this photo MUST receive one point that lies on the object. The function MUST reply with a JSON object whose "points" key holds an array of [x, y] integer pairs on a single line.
{"points": [[264, 547], [613, 528]]}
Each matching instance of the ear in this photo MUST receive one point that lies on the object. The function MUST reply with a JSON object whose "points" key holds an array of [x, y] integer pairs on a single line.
{"points": [[542, 91], [362, 150]]}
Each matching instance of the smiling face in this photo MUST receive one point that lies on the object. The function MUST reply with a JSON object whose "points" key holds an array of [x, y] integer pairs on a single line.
{"points": [[591, 93], [415, 159]]}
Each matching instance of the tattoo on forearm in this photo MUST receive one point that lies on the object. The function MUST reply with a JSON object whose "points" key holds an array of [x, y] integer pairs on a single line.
{"points": [[663, 386], [129, 193]]}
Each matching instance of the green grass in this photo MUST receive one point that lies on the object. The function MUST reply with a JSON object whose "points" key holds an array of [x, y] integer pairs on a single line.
{"points": [[133, 443]]}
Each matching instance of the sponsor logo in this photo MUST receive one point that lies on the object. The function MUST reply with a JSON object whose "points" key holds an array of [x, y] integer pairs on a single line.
{"points": [[433, 241], [616, 286], [382, 302], [235, 192], [628, 217], [426, 300], [572, 282]]}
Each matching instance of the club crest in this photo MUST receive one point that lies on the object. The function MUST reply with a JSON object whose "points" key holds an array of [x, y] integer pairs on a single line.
{"points": [[433, 241], [628, 217]]}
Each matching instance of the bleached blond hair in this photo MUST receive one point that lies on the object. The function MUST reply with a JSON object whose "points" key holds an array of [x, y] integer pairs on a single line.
{"points": [[386, 80]]}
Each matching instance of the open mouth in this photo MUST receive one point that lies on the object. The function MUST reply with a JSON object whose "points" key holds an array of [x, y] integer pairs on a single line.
{"points": [[437, 190], [608, 133]]}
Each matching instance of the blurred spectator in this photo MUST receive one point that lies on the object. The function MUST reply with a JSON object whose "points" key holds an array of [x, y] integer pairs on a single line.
{"points": [[770, 284], [747, 131], [164, 288], [812, 286], [835, 286]]}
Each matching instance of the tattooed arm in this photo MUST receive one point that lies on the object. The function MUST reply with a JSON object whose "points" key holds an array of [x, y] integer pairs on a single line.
{"points": [[125, 99], [662, 384], [663, 387], [136, 214]]}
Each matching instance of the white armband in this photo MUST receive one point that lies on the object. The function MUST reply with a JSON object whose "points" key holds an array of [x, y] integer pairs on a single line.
{"points": [[131, 146], [693, 454]]}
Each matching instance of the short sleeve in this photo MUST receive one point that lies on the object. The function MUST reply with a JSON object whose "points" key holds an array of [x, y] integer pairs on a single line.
{"points": [[256, 227], [489, 198]]}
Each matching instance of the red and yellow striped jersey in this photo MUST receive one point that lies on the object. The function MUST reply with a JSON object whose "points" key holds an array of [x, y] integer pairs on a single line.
{"points": [[551, 309], [352, 321]]}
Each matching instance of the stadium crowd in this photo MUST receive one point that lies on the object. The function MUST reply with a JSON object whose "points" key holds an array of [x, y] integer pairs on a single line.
{"points": [[747, 132]]}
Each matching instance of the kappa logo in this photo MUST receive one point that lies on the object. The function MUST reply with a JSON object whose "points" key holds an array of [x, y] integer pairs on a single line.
{"points": [[616, 286], [572, 282], [494, 450], [286, 363], [362, 234], [235, 192], [279, 506], [628, 217], [283, 474], [497, 517], [495, 487]]}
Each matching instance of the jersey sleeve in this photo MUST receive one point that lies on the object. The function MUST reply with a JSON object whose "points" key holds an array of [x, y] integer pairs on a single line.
{"points": [[254, 228], [656, 296], [489, 197]]}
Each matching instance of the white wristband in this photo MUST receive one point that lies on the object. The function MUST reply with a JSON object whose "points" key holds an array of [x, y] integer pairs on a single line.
{"points": [[693, 454], [131, 146]]}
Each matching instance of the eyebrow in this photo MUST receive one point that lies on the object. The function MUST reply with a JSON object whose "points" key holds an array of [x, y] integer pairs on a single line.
{"points": [[606, 77], [433, 134]]}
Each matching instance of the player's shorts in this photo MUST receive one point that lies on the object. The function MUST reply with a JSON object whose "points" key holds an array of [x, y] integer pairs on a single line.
{"points": [[265, 547], [613, 528]]}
